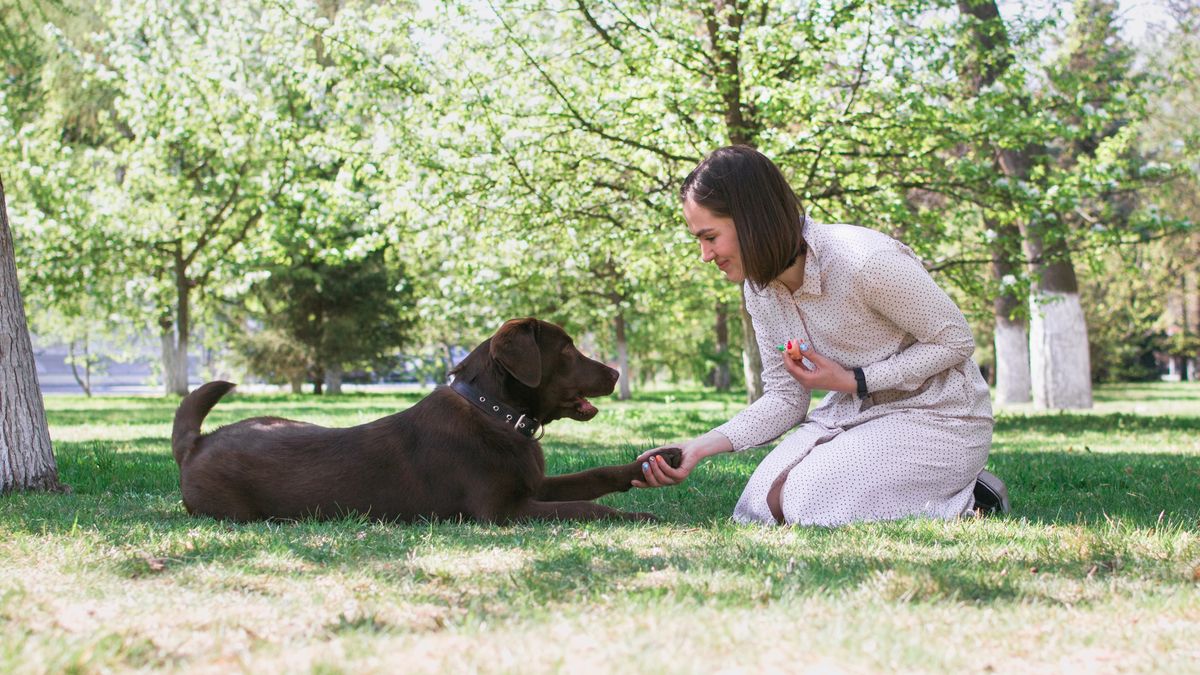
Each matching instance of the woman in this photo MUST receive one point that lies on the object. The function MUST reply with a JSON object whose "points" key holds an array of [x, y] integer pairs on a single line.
{"points": [[907, 425]]}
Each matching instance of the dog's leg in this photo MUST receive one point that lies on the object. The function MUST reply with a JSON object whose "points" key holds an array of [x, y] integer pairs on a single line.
{"points": [[573, 510], [587, 485], [600, 481]]}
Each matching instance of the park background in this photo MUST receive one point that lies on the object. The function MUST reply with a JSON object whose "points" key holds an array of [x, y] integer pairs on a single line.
{"points": [[308, 194], [297, 193]]}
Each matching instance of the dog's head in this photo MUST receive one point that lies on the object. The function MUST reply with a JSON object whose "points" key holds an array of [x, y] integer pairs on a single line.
{"points": [[539, 368]]}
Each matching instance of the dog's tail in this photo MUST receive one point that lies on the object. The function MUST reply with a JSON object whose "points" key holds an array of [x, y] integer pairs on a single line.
{"points": [[192, 411]]}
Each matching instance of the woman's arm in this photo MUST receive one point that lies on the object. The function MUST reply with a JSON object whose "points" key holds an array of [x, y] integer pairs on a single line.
{"points": [[660, 474], [784, 402], [896, 285]]}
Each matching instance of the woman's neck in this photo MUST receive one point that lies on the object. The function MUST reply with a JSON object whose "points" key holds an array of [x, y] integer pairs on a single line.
{"points": [[793, 276]]}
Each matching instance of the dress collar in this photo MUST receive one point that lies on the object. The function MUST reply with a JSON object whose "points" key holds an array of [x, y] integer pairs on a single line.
{"points": [[812, 261]]}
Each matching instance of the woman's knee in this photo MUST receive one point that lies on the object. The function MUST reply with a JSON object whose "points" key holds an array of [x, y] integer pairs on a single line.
{"points": [[801, 495], [824, 494]]}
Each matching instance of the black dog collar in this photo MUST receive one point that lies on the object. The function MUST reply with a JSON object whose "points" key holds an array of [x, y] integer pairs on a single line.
{"points": [[523, 423]]}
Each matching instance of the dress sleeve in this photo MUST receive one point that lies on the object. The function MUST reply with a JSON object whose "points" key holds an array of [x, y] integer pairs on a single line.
{"points": [[784, 403], [896, 286]]}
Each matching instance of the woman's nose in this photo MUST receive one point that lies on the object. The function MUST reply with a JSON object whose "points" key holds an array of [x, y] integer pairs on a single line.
{"points": [[706, 253]]}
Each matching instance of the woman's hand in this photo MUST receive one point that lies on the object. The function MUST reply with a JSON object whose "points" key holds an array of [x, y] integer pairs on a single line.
{"points": [[659, 473], [825, 374]]}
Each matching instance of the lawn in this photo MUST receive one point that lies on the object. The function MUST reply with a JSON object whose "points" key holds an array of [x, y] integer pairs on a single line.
{"points": [[1098, 566]]}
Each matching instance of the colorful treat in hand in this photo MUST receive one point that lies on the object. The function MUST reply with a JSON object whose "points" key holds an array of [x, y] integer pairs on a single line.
{"points": [[792, 349]]}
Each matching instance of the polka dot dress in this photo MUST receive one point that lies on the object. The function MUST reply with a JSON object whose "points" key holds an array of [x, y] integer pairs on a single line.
{"points": [[911, 448]]}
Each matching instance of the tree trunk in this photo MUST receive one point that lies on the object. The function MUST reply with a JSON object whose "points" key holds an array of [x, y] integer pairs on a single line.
{"points": [[751, 358], [84, 381], [985, 61], [622, 357], [1012, 360], [723, 21], [183, 288], [1060, 365], [26, 456], [1060, 372], [722, 379], [448, 361], [1011, 334], [166, 337], [1191, 309], [333, 380], [1059, 362], [297, 384]]}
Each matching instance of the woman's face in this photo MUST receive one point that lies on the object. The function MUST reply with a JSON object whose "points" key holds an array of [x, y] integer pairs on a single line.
{"points": [[718, 239]]}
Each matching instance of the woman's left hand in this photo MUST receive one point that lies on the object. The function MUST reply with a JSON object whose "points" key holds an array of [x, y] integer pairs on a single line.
{"points": [[825, 373]]}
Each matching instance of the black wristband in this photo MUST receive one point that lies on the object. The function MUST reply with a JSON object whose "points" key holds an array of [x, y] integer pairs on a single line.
{"points": [[861, 379]]}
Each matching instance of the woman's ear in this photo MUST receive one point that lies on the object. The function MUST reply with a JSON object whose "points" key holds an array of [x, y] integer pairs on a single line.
{"points": [[515, 348]]}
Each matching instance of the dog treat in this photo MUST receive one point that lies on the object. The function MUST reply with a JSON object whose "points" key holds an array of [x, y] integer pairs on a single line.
{"points": [[792, 349]]}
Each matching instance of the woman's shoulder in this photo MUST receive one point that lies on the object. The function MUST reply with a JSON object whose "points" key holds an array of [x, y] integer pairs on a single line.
{"points": [[851, 244]]}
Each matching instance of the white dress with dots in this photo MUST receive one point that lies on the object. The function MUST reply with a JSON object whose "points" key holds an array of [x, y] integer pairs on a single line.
{"points": [[914, 446]]}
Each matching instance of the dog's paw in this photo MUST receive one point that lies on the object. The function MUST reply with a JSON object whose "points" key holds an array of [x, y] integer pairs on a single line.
{"points": [[674, 456]]}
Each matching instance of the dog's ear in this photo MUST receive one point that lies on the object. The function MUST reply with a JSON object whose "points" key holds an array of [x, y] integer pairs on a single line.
{"points": [[515, 347]]}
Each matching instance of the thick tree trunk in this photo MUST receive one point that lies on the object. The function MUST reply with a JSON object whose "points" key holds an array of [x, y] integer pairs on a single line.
{"points": [[174, 335], [297, 384], [722, 378], [622, 358], [174, 359], [1059, 362], [1058, 333], [984, 62], [751, 358], [26, 456], [333, 380], [1013, 383]]}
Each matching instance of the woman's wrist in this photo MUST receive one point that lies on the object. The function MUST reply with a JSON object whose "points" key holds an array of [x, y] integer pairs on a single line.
{"points": [[712, 443]]}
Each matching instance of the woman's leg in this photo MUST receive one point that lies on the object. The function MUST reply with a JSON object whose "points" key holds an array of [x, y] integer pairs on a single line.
{"points": [[908, 464], [753, 505], [773, 496]]}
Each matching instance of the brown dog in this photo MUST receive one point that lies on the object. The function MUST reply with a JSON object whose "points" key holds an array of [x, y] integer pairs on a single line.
{"points": [[466, 450]]}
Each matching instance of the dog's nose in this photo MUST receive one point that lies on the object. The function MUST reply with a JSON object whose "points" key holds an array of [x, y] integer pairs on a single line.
{"points": [[613, 374]]}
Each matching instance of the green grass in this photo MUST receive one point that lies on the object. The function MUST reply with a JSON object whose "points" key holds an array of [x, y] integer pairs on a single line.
{"points": [[1098, 566]]}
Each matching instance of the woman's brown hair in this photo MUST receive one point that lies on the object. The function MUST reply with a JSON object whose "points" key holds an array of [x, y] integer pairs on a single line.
{"points": [[739, 182]]}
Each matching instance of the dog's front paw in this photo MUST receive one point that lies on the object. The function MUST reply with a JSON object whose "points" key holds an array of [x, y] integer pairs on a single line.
{"points": [[674, 456]]}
